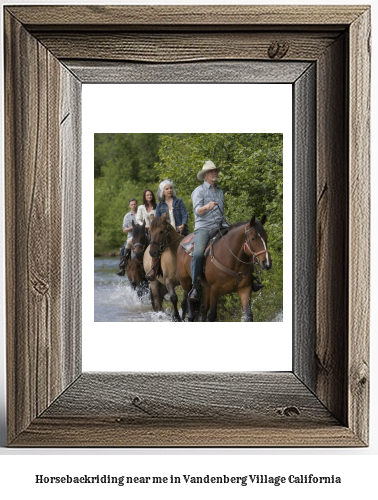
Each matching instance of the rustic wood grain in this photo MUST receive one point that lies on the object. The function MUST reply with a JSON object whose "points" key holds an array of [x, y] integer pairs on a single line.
{"points": [[178, 396], [184, 16], [199, 72], [97, 432], [34, 239], [193, 409], [180, 47], [33, 210], [70, 160], [304, 240], [359, 226], [332, 230], [322, 403]]}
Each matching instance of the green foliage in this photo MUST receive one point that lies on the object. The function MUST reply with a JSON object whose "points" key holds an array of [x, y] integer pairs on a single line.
{"points": [[123, 169], [130, 157], [252, 181]]}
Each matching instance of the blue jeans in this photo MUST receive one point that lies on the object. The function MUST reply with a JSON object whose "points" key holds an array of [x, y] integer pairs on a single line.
{"points": [[201, 241]]}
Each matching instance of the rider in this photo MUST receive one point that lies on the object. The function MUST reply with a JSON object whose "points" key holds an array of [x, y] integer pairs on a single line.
{"points": [[171, 205], [127, 228], [147, 209], [208, 206]]}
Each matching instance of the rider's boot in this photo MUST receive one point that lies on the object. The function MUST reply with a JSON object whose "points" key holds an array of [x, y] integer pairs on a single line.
{"points": [[194, 294], [123, 264]]}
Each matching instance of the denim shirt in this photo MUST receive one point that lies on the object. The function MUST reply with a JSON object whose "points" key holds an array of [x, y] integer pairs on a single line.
{"points": [[201, 196], [180, 212]]}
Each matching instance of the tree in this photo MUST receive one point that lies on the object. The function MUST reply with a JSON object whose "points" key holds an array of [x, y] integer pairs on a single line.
{"points": [[123, 168], [252, 181]]}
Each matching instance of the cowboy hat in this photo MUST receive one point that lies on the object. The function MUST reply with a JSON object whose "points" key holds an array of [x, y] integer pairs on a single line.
{"points": [[209, 165]]}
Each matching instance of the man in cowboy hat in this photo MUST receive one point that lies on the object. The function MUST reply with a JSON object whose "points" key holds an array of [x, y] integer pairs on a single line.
{"points": [[208, 206]]}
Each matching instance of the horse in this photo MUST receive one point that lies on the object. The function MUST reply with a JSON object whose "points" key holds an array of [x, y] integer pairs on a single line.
{"points": [[134, 268], [161, 260], [228, 267]]}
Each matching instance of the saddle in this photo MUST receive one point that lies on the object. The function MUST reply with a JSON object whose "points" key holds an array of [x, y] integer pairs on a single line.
{"points": [[188, 242], [215, 234]]}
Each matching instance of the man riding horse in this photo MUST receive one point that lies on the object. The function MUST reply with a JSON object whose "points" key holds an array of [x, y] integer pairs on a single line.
{"points": [[208, 206]]}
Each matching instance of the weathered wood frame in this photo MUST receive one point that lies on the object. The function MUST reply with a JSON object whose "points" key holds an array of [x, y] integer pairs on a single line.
{"points": [[49, 53]]}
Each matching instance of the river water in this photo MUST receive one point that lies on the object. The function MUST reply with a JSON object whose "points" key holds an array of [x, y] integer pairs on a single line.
{"points": [[116, 301], [114, 298]]}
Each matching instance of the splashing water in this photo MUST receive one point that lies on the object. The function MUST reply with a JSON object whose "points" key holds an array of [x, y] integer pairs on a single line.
{"points": [[116, 301]]}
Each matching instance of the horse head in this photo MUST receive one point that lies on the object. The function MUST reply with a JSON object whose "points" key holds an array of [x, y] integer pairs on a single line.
{"points": [[256, 242], [159, 230], [140, 241]]}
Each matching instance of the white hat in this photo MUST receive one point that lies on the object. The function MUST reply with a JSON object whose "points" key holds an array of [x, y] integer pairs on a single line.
{"points": [[209, 165]]}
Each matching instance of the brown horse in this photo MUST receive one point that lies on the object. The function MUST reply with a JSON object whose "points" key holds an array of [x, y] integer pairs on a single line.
{"points": [[160, 263], [134, 268], [228, 267]]}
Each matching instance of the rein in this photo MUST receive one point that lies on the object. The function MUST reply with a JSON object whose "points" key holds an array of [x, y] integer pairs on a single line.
{"points": [[246, 242], [140, 244], [246, 245], [162, 247], [142, 249], [166, 244]]}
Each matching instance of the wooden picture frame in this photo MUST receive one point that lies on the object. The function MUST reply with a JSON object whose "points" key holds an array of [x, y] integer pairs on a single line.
{"points": [[49, 52]]}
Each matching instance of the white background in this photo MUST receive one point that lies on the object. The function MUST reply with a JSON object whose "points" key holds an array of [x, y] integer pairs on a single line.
{"points": [[168, 346], [357, 467]]}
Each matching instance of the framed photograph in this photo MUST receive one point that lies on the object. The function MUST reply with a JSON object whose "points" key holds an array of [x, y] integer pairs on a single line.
{"points": [[323, 52], [256, 179]]}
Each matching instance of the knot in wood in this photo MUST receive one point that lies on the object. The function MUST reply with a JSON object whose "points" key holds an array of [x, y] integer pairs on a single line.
{"points": [[363, 381], [288, 411], [136, 400], [41, 287], [278, 50]]}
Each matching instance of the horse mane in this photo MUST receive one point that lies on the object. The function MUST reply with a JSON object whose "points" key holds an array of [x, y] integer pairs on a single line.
{"points": [[156, 221], [237, 224], [257, 225]]}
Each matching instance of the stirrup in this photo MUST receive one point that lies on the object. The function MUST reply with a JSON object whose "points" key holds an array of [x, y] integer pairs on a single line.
{"points": [[194, 293]]}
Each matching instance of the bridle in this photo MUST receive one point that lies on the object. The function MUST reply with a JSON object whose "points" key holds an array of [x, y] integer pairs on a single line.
{"points": [[248, 246], [167, 243], [246, 243], [162, 247], [138, 244]]}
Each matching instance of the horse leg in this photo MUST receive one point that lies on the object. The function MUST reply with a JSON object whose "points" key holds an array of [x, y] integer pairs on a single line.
{"points": [[213, 305], [174, 300], [184, 307], [245, 299], [186, 283], [206, 304], [190, 305], [156, 296]]}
